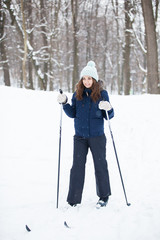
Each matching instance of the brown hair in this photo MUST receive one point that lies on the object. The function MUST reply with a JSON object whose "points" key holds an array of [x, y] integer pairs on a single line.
{"points": [[96, 89]]}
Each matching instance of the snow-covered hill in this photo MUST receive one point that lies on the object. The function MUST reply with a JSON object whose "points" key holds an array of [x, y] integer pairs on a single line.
{"points": [[29, 138]]}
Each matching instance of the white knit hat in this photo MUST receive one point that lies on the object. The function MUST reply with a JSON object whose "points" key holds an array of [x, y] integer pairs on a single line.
{"points": [[90, 70]]}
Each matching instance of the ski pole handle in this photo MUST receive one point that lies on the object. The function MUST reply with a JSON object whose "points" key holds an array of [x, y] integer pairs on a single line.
{"points": [[64, 98]]}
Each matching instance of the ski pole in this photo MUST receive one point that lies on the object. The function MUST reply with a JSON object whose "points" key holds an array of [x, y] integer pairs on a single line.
{"points": [[59, 155], [109, 125]]}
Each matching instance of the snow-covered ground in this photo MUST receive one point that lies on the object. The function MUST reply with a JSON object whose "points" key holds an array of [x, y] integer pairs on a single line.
{"points": [[29, 142]]}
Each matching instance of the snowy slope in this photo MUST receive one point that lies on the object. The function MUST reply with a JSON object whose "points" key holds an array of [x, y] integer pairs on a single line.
{"points": [[29, 136]]}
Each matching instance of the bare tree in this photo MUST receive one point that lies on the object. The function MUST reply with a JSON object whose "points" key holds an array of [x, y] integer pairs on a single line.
{"points": [[25, 46], [30, 37], [127, 48], [66, 13], [153, 84], [74, 8], [15, 20], [116, 12], [4, 59]]}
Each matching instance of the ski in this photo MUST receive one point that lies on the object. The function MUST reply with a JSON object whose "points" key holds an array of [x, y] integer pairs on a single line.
{"points": [[28, 229], [66, 225]]}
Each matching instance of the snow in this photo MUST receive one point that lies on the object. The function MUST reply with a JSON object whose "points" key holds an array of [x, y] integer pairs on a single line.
{"points": [[29, 143]]}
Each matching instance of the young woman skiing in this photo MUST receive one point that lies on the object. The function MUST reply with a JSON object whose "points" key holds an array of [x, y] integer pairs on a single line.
{"points": [[89, 105]]}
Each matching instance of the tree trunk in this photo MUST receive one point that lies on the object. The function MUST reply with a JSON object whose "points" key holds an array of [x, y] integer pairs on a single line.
{"points": [[87, 23], [75, 44], [25, 47], [3, 48], [115, 10], [30, 36], [95, 29], [45, 43], [127, 49], [67, 46], [153, 85], [156, 10]]}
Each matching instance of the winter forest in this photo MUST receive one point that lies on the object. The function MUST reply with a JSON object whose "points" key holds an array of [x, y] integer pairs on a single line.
{"points": [[44, 44]]}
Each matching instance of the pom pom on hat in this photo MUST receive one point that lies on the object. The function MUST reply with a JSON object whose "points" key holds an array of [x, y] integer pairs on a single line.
{"points": [[90, 70], [91, 64]]}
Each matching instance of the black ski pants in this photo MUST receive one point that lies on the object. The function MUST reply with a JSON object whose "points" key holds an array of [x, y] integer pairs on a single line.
{"points": [[97, 146]]}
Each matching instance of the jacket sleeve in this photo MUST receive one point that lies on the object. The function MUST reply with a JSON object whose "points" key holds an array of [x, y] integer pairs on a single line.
{"points": [[105, 97], [70, 110]]}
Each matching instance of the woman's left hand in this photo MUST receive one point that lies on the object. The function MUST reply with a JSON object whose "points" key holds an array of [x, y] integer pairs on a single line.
{"points": [[105, 105]]}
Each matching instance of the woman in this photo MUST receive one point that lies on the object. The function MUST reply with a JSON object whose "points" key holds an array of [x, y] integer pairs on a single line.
{"points": [[89, 105]]}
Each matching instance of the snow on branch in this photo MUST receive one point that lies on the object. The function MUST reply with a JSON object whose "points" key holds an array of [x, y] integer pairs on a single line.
{"points": [[109, 60], [138, 40], [139, 65]]}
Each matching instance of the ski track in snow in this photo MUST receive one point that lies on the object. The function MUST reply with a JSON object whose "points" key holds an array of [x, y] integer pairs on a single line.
{"points": [[29, 138]]}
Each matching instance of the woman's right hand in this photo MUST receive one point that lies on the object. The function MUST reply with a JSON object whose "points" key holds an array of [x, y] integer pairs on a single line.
{"points": [[62, 98]]}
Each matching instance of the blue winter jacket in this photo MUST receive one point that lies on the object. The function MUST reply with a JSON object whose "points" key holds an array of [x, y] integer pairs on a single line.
{"points": [[88, 118]]}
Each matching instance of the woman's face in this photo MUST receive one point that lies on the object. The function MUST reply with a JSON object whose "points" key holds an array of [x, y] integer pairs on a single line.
{"points": [[87, 81]]}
